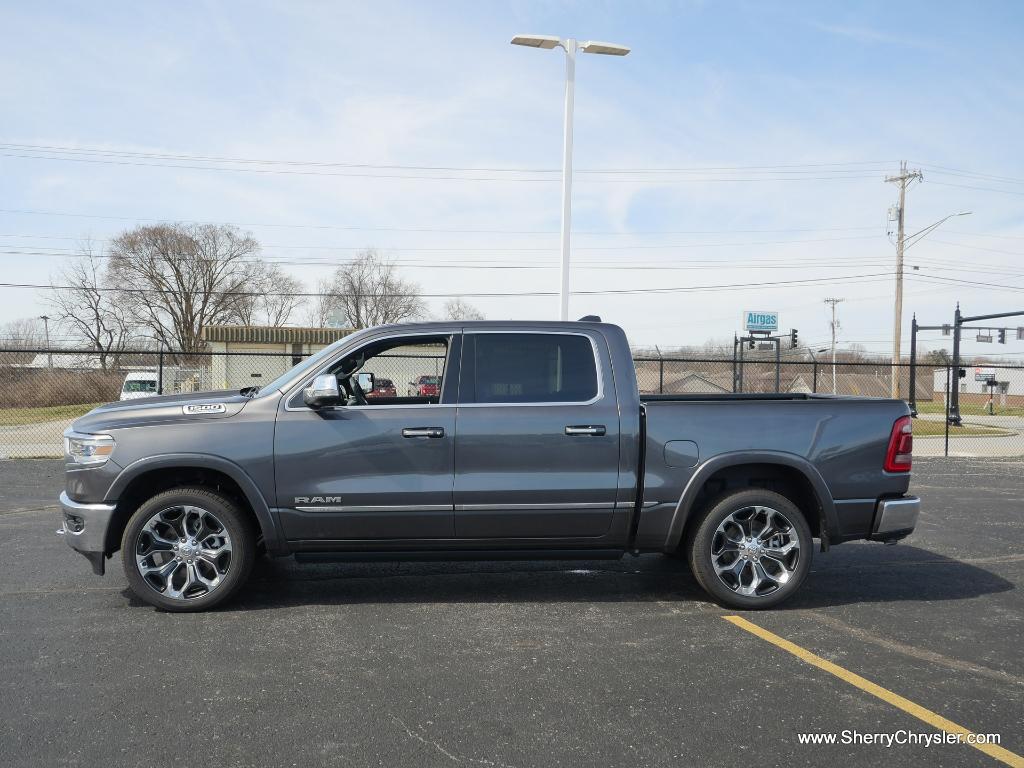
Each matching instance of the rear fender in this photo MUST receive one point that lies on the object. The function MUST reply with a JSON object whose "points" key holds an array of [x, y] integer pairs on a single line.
{"points": [[685, 507]]}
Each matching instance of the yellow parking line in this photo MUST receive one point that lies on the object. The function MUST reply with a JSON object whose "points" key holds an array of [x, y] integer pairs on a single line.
{"points": [[926, 715]]}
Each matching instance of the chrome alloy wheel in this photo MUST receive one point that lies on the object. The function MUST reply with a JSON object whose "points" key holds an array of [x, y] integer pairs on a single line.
{"points": [[755, 551], [183, 552]]}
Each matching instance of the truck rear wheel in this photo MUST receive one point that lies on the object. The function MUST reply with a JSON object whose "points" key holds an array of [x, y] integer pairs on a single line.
{"points": [[752, 549], [187, 549]]}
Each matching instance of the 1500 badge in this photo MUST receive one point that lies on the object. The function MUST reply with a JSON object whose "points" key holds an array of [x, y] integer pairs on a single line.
{"points": [[200, 409]]}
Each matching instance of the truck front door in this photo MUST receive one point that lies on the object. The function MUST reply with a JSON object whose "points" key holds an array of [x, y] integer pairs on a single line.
{"points": [[537, 449], [380, 469]]}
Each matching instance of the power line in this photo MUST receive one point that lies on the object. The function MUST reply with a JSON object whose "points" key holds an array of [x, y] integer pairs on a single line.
{"points": [[27, 212], [413, 177], [972, 174], [433, 264], [981, 189], [613, 291], [838, 167], [544, 249]]}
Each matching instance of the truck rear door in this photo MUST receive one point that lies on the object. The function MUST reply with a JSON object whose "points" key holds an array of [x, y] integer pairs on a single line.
{"points": [[537, 444]]}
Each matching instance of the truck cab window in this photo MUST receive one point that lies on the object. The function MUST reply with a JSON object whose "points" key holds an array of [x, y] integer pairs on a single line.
{"points": [[534, 368], [402, 371]]}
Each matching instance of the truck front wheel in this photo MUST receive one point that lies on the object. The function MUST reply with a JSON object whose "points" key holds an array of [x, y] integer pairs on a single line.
{"points": [[752, 549], [187, 549]]}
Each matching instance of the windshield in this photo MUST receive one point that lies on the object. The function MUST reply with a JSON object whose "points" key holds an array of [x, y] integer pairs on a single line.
{"points": [[140, 385], [305, 366]]}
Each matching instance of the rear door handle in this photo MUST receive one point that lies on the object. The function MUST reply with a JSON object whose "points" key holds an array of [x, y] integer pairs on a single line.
{"points": [[423, 432], [586, 429]]}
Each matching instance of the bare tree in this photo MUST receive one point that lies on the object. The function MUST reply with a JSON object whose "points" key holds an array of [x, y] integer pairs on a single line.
{"points": [[178, 278], [277, 297], [19, 335], [369, 292], [23, 333], [85, 306], [322, 306], [459, 309]]}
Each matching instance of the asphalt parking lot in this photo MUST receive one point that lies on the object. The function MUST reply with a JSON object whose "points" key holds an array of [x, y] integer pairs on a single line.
{"points": [[517, 664]]}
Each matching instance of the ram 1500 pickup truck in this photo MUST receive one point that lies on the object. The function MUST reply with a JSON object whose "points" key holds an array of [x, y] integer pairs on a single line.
{"points": [[537, 445]]}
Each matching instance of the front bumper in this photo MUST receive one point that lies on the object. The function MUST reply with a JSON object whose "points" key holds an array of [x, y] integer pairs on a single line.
{"points": [[84, 527], [896, 518]]}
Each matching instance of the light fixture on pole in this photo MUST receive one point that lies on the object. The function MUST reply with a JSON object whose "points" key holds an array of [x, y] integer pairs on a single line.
{"points": [[570, 46], [904, 242]]}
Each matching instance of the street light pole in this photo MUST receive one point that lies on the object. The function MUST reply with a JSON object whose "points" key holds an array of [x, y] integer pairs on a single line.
{"points": [[835, 327], [570, 89], [49, 352], [570, 46]]}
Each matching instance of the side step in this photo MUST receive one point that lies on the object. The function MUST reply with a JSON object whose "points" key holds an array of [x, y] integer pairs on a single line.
{"points": [[459, 554]]}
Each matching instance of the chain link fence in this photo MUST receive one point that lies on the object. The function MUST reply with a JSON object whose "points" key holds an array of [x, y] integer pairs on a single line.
{"points": [[43, 391]]}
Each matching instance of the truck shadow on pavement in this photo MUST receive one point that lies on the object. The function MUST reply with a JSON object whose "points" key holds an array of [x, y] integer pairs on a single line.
{"points": [[853, 573]]}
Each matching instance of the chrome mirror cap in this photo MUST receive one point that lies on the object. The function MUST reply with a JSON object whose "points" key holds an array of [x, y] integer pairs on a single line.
{"points": [[323, 391]]}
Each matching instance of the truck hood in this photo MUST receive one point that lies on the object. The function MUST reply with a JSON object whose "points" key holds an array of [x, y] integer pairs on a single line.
{"points": [[162, 409]]}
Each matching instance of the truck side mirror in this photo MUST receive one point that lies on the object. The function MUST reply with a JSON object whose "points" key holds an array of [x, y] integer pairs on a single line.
{"points": [[323, 391], [365, 381]]}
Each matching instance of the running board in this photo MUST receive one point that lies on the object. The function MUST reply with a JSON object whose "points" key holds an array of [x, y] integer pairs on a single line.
{"points": [[460, 554]]}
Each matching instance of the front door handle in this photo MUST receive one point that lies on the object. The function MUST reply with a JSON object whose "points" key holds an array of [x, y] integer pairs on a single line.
{"points": [[588, 429], [423, 432]]}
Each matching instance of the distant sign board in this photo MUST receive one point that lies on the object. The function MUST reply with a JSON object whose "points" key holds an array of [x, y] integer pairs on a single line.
{"points": [[984, 374], [756, 320]]}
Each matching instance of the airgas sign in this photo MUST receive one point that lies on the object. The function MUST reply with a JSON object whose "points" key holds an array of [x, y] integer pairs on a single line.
{"points": [[756, 320]]}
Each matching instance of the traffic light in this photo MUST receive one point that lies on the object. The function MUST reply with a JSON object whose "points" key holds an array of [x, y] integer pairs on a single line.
{"points": [[750, 342], [962, 373], [1002, 335], [793, 340]]}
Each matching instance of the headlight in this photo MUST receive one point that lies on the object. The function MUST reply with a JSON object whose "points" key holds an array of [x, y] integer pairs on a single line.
{"points": [[87, 450]]}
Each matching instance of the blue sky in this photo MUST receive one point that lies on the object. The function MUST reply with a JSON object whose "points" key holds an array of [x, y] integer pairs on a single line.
{"points": [[803, 108]]}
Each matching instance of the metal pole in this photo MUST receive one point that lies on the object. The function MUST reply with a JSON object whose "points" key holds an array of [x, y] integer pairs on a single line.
{"points": [[815, 387], [947, 412], [778, 361], [953, 412], [49, 351], [835, 327], [735, 341], [913, 365], [570, 79], [160, 372], [739, 379]]}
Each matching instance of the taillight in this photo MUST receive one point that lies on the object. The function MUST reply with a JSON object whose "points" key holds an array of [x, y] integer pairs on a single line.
{"points": [[901, 446]]}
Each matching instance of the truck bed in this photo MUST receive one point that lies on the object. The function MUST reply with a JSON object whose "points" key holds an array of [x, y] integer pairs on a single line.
{"points": [[841, 440]]}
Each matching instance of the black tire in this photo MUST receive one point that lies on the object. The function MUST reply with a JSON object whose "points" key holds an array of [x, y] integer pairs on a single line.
{"points": [[704, 538], [236, 532]]}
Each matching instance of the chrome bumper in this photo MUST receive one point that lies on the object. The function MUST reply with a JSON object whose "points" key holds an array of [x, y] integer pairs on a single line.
{"points": [[84, 527], [896, 518]]}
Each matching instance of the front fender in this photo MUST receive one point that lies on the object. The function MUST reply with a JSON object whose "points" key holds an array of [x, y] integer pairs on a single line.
{"points": [[693, 487], [269, 527]]}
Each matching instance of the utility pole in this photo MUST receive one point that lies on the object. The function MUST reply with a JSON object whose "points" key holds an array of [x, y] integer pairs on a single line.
{"points": [[835, 327], [903, 179], [49, 351]]}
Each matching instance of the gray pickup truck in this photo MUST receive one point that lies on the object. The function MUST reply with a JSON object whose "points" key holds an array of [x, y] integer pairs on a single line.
{"points": [[537, 444]]}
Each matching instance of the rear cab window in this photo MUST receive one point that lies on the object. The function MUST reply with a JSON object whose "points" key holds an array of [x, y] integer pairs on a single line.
{"points": [[524, 368]]}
